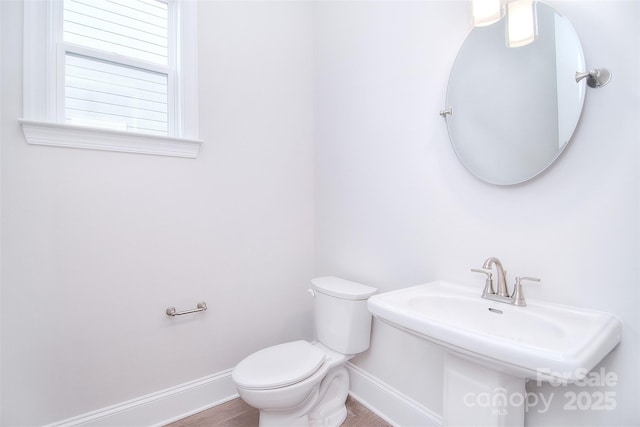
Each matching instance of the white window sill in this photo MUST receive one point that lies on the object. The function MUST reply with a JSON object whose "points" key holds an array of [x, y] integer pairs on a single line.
{"points": [[64, 135]]}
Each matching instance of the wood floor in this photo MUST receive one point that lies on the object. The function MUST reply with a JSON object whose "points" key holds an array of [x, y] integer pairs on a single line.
{"points": [[236, 413]]}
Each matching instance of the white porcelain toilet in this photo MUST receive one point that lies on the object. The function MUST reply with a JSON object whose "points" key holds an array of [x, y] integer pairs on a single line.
{"points": [[306, 384]]}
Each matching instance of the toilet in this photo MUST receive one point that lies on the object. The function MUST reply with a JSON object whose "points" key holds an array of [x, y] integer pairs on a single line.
{"points": [[302, 383]]}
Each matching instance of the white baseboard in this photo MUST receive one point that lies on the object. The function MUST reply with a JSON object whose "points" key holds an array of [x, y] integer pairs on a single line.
{"points": [[162, 407], [172, 404], [387, 402]]}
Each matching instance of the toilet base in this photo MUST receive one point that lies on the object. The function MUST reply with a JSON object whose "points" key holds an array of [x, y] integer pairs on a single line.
{"points": [[330, 409], [325, 406]]}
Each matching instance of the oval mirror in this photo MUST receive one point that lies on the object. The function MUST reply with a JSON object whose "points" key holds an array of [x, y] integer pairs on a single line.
{"points": [[513, 110]]}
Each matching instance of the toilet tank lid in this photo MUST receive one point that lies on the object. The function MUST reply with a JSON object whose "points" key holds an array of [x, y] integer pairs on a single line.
{"points": [[341, 288]]}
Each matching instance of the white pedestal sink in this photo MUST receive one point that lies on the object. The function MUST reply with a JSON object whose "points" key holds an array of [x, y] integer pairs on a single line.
{"points": [[493, 348]]}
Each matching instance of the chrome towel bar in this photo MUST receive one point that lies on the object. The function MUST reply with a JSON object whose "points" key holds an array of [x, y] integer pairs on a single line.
{"points": [[171, 311]]}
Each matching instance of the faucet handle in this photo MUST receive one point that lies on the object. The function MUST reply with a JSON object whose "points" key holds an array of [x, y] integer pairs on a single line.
{"points": [[529, 279], [518, 295], [488, 284]]}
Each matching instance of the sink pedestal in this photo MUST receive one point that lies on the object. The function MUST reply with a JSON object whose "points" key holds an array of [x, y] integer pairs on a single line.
{"points": [[475, 395]]}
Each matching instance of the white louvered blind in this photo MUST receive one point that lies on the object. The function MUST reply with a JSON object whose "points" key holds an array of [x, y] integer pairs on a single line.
{"points": [[107, 83]]}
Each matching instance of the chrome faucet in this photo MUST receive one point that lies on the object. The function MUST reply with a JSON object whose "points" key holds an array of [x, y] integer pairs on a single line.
{"points": [[502, 294], [502, 281]]}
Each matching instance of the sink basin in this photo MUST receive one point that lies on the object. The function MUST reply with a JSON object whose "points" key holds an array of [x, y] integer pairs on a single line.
{"points": [[541, 340]]}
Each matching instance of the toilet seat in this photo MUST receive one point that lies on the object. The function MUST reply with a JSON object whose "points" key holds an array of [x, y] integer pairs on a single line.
{"points": [[278, 366]]}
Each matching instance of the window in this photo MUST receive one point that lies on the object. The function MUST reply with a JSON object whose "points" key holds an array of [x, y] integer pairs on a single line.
{"points": [[112, 74], [117, 64]]}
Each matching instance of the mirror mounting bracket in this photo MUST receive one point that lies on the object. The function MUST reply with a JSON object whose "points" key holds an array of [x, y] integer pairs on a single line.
{"points": [[596, 78], [447, 112]]}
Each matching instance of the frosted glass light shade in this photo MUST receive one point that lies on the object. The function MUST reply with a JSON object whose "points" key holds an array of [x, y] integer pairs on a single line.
{"points": [[486, 12], [522, 26]]}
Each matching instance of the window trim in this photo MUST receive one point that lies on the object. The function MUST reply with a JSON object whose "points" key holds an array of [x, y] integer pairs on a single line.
{"points": [[42, 76]]}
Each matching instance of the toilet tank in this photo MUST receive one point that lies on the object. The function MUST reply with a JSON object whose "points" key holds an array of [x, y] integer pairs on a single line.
{"points": [[342, 320]]}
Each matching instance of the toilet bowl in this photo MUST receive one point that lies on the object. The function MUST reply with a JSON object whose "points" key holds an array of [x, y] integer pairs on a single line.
{"points": [[300, 383], [285, 394]]}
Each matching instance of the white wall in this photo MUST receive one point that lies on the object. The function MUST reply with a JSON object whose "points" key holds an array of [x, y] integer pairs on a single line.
{"points": [[1, 61], [394, 206], [96, 245]]}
